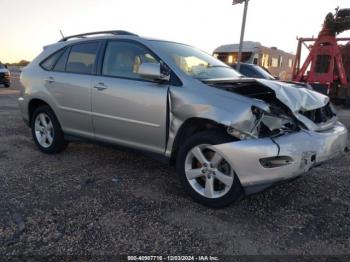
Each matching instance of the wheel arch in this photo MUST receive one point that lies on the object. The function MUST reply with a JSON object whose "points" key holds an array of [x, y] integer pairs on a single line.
{"points": [[189, 128], [34, 104]]}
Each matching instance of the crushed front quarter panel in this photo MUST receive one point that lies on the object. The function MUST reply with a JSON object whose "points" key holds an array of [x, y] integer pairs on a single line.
{"points": [[225, 108], [230, 109]]}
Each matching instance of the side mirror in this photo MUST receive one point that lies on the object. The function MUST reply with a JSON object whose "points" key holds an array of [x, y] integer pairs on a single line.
{"points": [[6, 67], [152, 71]]}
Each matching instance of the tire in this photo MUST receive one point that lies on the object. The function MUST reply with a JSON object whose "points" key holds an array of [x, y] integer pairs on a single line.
{"points": [[7, 85], [44, 124], [187, 165]]}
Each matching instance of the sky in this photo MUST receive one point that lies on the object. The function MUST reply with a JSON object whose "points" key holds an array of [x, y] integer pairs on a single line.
{"points": [[28, 25]]}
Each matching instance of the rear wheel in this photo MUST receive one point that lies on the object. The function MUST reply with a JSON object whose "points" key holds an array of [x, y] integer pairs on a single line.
{"points": [[7, 85], [205, 173], [46, 131]]}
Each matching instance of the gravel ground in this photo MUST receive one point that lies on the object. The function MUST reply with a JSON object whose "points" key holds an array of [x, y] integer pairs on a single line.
{"points": [[91, 200]]}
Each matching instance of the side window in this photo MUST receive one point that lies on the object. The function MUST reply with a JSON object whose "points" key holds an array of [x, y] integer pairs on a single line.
{"points": [[82, 58], [62, 61], [49, 62], [122, 59]]}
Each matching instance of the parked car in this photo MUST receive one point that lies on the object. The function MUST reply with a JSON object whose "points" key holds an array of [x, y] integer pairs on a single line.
{"points": [[226, 135], [254, 71], [4, 75]]}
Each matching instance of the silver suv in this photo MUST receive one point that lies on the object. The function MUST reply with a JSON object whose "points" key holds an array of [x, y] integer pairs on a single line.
{"points": [[227, 135]]}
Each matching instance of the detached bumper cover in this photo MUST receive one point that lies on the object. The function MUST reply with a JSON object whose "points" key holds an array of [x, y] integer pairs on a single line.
{"points": [[306, 148]]}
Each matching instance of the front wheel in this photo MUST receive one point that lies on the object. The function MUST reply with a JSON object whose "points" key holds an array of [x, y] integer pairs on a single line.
{"points": [[205, 173], [46, 131]]}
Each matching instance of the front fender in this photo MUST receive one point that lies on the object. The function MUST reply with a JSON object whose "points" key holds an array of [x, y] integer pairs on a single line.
{"points": [[220, 109]]}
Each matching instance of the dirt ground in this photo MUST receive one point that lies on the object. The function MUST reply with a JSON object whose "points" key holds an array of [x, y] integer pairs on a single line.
{"points": [[91, 200]]}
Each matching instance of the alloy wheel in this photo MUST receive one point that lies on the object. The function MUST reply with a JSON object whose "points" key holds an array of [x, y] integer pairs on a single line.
{"points": [[207, 171], [44, 131]]}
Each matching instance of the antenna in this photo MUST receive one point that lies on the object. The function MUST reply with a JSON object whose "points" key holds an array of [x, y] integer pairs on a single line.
{"points": [[61, 33]]}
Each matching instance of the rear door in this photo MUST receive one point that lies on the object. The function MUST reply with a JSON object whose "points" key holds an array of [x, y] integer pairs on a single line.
{"points": [[70, 84], [127, 109]]}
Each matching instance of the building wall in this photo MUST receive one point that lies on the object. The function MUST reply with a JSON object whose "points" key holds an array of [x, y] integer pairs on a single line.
{"points": [[277, 62]]}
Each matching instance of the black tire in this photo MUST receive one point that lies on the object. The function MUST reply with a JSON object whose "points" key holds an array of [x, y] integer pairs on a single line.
{"points": [[211, 137], [58, 143], [7, 85]]}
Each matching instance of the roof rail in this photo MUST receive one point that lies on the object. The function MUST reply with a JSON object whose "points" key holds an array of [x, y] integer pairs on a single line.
{"points": [[114, 32]]}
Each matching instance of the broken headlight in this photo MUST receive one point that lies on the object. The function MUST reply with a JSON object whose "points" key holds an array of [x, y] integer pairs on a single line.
{"points": [[263, 124]]}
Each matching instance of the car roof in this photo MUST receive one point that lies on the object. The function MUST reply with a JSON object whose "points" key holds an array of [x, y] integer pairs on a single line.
{"points": [[102, 35], [107, 35]]}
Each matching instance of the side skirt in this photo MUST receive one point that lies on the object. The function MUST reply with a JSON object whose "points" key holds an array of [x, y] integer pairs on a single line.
{"points": [[158, 157]]}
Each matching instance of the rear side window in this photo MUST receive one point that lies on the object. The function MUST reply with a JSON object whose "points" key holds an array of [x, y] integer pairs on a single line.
{"points": [[49, 62], [62, 61], [82, 58]]}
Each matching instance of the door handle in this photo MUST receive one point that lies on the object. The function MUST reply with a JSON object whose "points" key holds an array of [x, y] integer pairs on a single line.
{"points": [[50, 80], [100, 86]]}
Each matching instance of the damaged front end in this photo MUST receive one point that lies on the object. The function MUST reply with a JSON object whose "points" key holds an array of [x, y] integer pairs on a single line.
{"points": [[295, 131], [290, 108], [263, 124]]}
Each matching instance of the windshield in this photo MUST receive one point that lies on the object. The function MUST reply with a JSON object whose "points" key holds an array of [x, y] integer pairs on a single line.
{"points": [[197, 63]]}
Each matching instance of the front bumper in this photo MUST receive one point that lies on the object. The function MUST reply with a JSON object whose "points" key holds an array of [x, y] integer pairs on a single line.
{"points": [[305, 148]]}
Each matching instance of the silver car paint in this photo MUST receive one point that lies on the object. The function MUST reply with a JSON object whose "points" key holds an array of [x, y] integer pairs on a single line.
{"points": [[193, 102], [125, 115], [244, 155], [131, 113], [72, 96]]}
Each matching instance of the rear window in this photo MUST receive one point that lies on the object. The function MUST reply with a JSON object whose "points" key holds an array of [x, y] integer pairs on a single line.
{"points": [[82, 58], [49, 62]]}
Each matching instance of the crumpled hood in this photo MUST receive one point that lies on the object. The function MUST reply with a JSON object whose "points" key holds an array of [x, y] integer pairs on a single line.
{"points": [[297, 98], [294, 97]]}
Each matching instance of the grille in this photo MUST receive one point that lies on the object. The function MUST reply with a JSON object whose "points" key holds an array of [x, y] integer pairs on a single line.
{"points": [[319, 115]]}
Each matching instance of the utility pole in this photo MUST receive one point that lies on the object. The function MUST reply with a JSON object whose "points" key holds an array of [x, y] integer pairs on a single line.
{"points": [[242, 30]]}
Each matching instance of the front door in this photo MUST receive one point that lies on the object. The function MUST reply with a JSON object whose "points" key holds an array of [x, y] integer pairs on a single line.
{"points": [[127, 109]]}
